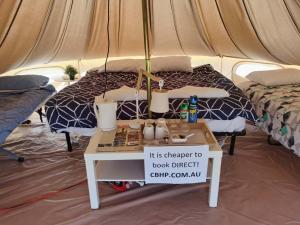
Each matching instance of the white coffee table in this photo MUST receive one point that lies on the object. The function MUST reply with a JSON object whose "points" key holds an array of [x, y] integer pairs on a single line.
{"points": [[128, 165]]}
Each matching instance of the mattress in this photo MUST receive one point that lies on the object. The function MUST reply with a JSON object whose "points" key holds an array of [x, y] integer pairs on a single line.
{"points": [[15, 108], [72, 107], [278, 109]]}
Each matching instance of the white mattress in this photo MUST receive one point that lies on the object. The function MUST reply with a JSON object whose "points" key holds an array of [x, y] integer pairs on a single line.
{"points": [[235, 125]]}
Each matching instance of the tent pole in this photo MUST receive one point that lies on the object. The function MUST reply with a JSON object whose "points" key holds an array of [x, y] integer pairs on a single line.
{"points": [[146, 23]]}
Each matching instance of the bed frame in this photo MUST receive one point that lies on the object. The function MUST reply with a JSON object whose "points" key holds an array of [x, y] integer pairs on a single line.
{"points": [[233, 136]]}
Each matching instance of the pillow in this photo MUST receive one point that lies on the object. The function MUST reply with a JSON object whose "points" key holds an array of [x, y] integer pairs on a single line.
{"points": [[171, 63], [125, 93], [201, 92], [244, 85], [275, 77], [22, 82], [123, 65]]}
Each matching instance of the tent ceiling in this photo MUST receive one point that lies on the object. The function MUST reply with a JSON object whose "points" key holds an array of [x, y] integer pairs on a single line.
{"points": [[52, 30]]}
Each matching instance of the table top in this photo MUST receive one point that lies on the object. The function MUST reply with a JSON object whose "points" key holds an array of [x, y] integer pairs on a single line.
{"points": [[105, 142]]}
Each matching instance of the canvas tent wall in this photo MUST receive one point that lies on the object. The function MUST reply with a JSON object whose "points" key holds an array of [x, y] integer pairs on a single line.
{"points": [[53, 30]]}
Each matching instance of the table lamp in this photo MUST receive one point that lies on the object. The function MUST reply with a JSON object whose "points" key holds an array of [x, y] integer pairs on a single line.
{"points": [[160, 100]]}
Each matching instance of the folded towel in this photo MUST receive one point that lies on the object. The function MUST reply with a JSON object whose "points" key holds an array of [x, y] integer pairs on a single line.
{"points": [[125, 93], [201, 92]]}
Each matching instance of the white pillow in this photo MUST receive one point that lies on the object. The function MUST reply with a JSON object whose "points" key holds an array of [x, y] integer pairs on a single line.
{"points": [[125, 93], [244, 85], [170, 63], [201, 92], [275, 77], [123, 65]]}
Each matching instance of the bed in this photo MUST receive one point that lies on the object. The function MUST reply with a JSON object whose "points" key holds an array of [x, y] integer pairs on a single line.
{"points": [[71, 110], [278, 109], [16, 107]]}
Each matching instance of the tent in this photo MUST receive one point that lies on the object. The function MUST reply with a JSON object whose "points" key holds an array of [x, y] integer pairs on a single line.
{"points": [[34, 32], [259, 184]]}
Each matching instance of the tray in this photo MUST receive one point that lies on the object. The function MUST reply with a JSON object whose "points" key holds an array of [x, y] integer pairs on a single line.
{"points": [[126, 139]]}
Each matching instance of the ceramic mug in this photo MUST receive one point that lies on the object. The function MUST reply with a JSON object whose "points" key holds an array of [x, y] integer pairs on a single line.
{"points": [[148, 132], [161, 131]]}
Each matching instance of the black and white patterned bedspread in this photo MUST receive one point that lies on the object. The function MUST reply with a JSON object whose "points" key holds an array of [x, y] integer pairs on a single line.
{"points": [[73, 106]]}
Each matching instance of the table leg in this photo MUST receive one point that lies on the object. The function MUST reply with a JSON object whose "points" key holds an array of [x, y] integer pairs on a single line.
{"points": [[92, 183], [214, 182]]}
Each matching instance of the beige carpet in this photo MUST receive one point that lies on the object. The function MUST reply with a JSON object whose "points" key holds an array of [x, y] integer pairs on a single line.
{"points": [[260, 184]]}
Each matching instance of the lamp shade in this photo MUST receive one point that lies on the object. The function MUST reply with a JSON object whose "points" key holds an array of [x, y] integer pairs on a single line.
{"points": [[159, 101]]}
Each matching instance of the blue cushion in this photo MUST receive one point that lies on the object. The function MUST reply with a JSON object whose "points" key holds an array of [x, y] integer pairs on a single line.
{"points": [[22, 82]]}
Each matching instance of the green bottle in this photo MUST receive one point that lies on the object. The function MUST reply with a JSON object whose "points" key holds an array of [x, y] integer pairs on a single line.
{"points": [[184, 111]]}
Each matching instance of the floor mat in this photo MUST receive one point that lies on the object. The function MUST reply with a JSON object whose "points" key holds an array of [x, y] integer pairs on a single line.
{"points": [[260, 184]]}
